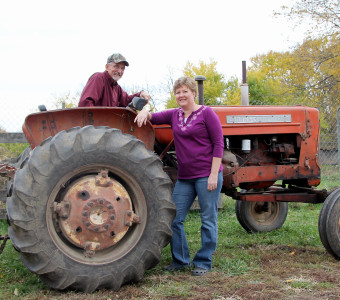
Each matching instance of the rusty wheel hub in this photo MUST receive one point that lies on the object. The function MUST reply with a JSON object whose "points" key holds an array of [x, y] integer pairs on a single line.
{"points": [[264, 212], [95, 213]]}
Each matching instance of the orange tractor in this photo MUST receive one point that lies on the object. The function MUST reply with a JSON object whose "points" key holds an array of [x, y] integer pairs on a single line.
{"points": [[90, 204]]}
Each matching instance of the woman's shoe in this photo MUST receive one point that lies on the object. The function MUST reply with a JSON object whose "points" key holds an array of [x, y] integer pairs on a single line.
{"points": [[199, 271]]}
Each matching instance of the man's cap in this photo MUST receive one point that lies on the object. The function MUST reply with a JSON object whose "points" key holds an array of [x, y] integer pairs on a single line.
{"points": [[117, 58]]}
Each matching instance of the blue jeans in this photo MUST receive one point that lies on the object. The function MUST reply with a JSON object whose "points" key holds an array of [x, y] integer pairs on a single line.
{"points": [[184, 195]]}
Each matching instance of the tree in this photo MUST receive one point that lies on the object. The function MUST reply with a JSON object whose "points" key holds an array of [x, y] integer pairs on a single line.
{"points": [[215, 86], [309, 74], [233, 91], [67, 100], [322, 16]]}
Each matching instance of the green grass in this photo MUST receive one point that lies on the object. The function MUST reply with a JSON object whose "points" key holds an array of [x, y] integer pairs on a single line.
{"points": [[282, 264], [11, 150], [287, 263]]}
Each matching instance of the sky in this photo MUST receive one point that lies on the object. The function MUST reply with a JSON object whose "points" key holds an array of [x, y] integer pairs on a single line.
{"points": [[49, 48]]}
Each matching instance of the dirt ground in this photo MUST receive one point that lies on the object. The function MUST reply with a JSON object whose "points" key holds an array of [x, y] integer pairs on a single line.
{"points": [[285, 273]]}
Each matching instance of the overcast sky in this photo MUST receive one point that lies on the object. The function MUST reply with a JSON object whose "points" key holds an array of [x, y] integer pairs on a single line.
{"points": [[48, 48]]}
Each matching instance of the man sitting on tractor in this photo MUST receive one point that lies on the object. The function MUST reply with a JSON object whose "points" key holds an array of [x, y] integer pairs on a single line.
{"points": [[102, 88]]}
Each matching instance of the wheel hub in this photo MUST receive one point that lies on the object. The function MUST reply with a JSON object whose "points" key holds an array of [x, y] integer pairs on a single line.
{"points": [[95, 213], [98, 215], [264, 212]]}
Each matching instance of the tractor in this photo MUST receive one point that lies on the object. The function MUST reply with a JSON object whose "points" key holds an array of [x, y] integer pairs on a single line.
{"points": [[90, 204]]}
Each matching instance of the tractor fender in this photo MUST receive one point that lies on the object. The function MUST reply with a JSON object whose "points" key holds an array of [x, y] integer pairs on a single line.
{"points": [[40, 126]]}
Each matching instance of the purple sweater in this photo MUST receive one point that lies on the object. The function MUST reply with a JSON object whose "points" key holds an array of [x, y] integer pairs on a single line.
{"points": [[197, 141], [102, 90]]}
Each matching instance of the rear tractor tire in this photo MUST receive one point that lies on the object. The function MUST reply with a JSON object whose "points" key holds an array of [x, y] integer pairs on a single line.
{"points": [[91, 208], [261, 216], [329, 224]]}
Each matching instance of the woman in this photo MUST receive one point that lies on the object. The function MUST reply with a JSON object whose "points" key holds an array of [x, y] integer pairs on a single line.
{"points": [[199, 148]]}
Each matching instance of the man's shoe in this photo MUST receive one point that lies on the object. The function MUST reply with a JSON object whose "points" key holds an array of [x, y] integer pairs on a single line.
{"points": [[173, 268]]}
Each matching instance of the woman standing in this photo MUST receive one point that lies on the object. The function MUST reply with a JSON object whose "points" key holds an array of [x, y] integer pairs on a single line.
{"points": [[199, 148]]}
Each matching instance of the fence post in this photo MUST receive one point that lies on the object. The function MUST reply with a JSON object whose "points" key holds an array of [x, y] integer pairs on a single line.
{"points": [[338, 130]]}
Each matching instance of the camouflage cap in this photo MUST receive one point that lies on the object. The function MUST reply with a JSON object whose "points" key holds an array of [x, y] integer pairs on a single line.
{"points": [[117, 58]]}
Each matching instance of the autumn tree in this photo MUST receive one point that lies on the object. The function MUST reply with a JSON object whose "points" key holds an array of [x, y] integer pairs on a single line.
{"points": [[215, 86], [66, 100], [233, 91], [309, 74]]}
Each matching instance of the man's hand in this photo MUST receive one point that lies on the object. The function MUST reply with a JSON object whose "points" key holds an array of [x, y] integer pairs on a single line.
{"points": [[145, 95]]}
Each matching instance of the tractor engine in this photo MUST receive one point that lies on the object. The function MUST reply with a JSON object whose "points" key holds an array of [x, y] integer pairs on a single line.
{"points": [[261, 150]]}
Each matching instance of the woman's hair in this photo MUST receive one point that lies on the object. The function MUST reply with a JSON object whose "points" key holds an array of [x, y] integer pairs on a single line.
{"points": [[187, 81]]}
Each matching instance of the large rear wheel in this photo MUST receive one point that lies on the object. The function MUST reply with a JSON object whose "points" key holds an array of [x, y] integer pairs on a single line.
{"points": [[261, 216], [91, 208]]}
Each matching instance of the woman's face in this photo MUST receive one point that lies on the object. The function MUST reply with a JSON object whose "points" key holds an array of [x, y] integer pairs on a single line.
{"points": [[184, 96]]}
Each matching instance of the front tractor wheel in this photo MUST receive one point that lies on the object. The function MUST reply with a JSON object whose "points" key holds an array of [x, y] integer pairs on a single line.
{"points": [[91, 208], [261, 216]]}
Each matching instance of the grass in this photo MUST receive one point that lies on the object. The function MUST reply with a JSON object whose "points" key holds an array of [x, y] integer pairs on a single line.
{"points": [[288, 263]]}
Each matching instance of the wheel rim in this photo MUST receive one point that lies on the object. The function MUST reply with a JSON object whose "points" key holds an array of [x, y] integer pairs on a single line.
{"points": [[264, 213], [96, 214]]}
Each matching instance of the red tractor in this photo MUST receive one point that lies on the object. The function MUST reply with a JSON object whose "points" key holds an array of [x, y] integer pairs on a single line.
{"points": [[90, 205]]}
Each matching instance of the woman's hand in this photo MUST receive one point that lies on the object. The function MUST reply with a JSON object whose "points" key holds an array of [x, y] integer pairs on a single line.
{"points": [[212, 182], [142, 117]]}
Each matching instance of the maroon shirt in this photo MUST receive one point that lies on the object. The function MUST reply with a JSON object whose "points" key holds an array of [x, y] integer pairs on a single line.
{"points": [[102, 90]]}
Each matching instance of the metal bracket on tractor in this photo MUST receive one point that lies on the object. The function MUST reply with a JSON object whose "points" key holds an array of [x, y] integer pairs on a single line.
{"points": [[4, 239]]}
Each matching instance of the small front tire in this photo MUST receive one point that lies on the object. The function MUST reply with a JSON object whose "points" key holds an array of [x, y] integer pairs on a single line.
{"points": [[261, 216]]}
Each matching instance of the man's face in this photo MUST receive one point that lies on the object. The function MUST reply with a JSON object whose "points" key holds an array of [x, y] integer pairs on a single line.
{"points": [[116, 71]]}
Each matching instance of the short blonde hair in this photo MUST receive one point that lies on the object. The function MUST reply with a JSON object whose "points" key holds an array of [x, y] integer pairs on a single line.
{"points": [[188, 82]]}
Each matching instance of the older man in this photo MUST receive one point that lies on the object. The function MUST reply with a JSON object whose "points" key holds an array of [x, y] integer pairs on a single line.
{"points": [[102, 88]]}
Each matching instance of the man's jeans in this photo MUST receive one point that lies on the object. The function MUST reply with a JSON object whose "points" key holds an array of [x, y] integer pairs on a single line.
{"points": [[184, 195]]}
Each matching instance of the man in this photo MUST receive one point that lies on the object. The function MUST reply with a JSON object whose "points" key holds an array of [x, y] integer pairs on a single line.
{"points": [[102, 88]]}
